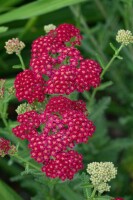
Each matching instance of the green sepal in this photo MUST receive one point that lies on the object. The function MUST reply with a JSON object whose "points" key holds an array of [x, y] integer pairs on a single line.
{"points": [[105, 85], [112, 46], [17, 67]]}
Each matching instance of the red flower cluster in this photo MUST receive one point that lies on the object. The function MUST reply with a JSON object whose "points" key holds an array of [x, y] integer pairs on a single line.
{"points": [[57, 66], [118, 198], [29, 87], [4, 147], [62, 125]]}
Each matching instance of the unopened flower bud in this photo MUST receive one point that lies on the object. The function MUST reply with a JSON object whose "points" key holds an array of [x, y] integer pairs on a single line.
{"points": [[14, 46], [48, 28], [12, 150], [124, 37], [11, 90], [24, 107]]}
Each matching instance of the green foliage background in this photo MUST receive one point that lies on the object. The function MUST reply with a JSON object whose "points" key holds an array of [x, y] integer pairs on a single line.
{"points": [[99, 21]]}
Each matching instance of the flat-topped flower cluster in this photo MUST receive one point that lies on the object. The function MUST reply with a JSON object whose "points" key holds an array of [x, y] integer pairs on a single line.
{"points": [[56, 67]]}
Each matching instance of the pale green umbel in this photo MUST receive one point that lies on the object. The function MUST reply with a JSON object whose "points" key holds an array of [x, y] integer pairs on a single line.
{"points": [[100, 174], [124, 37], [14, 45], [24, 107], [49, 27]]}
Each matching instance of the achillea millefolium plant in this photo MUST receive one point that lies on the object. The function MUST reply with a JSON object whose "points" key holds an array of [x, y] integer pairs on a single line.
{"points": [[52, 123]]}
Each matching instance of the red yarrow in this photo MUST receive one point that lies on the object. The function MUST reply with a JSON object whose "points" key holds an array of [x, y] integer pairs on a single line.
{"points": [[55, 40], [29, 87], [50, 134], [62, 104], [62, 65], [4, 147], [56, 67], [64, 165], [30, 121]]}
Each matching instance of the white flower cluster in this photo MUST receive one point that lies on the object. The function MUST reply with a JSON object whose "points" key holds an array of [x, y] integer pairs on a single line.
{"points": [[48, 28], [14, 46], [24, 107], [100, 174], [124, 36]]}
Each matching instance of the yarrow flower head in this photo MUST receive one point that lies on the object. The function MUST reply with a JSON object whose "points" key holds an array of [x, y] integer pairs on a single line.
{"points": [[6, 148], [29, 87], [56, 67], [100, 174], [56, 56], [52, 133], [49, 27], [118, 198], [14, 45], [64, 165], [124, 37]]}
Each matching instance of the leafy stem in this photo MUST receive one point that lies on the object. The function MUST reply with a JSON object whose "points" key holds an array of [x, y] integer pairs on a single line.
{"points": [[19, 158], [111, 61], [93, 193], [3, 113], [21, 60], [116, 55]]}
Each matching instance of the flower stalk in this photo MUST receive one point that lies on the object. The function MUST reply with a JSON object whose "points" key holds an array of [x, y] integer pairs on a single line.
{"points": [[116, 54], [21, 60], [19, 158]]}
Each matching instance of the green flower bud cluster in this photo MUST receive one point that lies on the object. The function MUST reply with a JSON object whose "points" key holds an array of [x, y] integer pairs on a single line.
{"points": [[11, 90], [24, 107], [100, 174], [14, 45], [124, 37], [48, 28]]}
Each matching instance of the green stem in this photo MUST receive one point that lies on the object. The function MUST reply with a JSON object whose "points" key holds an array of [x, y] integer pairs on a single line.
{"points": [[21, 60], [93, 193], [111, 61], [31, 22], [4, 120], [3, 114], [19, 158], [101, 8], [87, 194], [87, 30], [103, 73]]}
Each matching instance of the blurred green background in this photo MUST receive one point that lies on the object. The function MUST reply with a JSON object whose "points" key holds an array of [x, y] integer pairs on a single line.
{"points": [[99, 21]]}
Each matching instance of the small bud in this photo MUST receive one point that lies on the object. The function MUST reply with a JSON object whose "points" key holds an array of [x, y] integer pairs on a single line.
{"points": [[14, 46], [24, 107], [124, 37], [48, 28], [11, 90], [12, 150]]}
